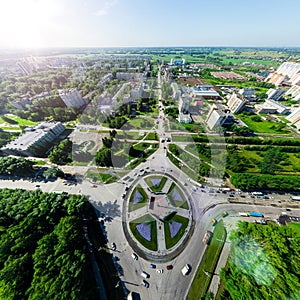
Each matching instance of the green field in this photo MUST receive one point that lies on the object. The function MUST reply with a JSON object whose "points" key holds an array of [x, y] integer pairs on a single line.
{"points": [[182, 204], [141, 203], [210, 259], [156, 188], [263, 126], [151, 136], [148, 219], [170, 242]]}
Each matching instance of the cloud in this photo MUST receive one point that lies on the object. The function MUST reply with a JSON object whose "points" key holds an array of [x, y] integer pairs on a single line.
{"points": [[110, 3], [107, 6], [100, 12]]}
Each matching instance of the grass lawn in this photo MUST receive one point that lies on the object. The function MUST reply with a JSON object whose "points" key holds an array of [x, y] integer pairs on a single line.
{"points": [[295, 226], [156, 188], [148, 219], [100, 177], [141, 203], [152, 136], [182, 138], [182, 204], [170, 242], [210, 259], [20, 121], [263, 126], [140, 123]]}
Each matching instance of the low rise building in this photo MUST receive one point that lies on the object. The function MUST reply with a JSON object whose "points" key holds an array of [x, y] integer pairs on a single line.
{"points": [[247, 92], [205, 92], [35, 141], [184, 118]]}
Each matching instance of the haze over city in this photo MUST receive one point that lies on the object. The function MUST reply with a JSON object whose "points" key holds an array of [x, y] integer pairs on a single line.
{"points": [[117, 23]]}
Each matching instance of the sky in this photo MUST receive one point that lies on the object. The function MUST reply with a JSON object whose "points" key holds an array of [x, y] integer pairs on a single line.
{"points": [[122, 23]]}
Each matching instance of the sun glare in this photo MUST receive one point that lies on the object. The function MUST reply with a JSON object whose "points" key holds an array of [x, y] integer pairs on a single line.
{"points": [[24, 23]]}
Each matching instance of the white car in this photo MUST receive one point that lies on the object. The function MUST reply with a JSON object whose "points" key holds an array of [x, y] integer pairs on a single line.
{"points": [[186, 269], [159, 271], [134, 256]]}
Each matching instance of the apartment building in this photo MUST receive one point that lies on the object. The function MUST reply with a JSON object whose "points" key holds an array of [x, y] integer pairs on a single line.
{"points": [[218, 115], [71, 98], [236, 103], [35, 140]]}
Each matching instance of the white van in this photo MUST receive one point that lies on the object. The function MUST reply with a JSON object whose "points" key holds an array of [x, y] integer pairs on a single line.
{"points": [[145, 275]]}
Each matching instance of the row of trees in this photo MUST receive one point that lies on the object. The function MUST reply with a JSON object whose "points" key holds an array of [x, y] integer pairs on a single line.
{"points": [[263, 263], [248, 181], [43, 249], [13, 166]]}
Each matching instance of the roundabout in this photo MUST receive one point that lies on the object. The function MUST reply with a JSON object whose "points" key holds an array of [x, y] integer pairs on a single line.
{"points": [[157, 218]]}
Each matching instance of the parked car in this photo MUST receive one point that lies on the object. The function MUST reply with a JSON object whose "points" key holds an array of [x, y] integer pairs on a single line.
{"points": [[169, 267], [159, 271], [152, 266]]}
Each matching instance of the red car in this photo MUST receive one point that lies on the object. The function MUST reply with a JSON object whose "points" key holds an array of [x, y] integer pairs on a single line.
{"points": [[169, 267]]}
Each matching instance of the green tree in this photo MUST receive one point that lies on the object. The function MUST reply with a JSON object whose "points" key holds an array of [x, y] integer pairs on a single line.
{"points": [[61, 154]]}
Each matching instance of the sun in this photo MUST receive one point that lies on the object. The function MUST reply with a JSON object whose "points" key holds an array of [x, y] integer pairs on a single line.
{"points": [[25, 23]]}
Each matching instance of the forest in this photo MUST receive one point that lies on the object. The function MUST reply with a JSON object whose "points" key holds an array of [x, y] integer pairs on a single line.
{"points": [[43, 248], [264, 263]]}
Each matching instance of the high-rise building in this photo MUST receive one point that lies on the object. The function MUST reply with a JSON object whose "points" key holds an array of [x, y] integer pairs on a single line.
{"points": [[218, 115], [71, 98], [236, 103], [275, 94], [294, 117]]}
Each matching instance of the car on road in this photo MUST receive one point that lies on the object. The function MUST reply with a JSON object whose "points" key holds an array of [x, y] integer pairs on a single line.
{"points": [[152, 266], [134, 256], [159, 271], [37, 185], [145, 283], [186, 269], [169, 267], [145, 275], [113, 246]]}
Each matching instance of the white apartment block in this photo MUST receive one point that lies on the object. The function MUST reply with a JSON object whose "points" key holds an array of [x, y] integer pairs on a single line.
{"points": [[294, 92], [184, 104], [176, 91], [34, 139], [130, 76], [71, 98], [236, 103], [288, 71], [218, 115], [272, 106], [275, 94], [294, 117]]}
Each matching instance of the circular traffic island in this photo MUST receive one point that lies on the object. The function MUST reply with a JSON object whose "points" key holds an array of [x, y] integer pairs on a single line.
{"points": [[157, 219]]}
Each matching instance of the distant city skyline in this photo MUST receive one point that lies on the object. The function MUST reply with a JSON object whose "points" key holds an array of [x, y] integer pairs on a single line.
{"points": [[142, 23]]}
